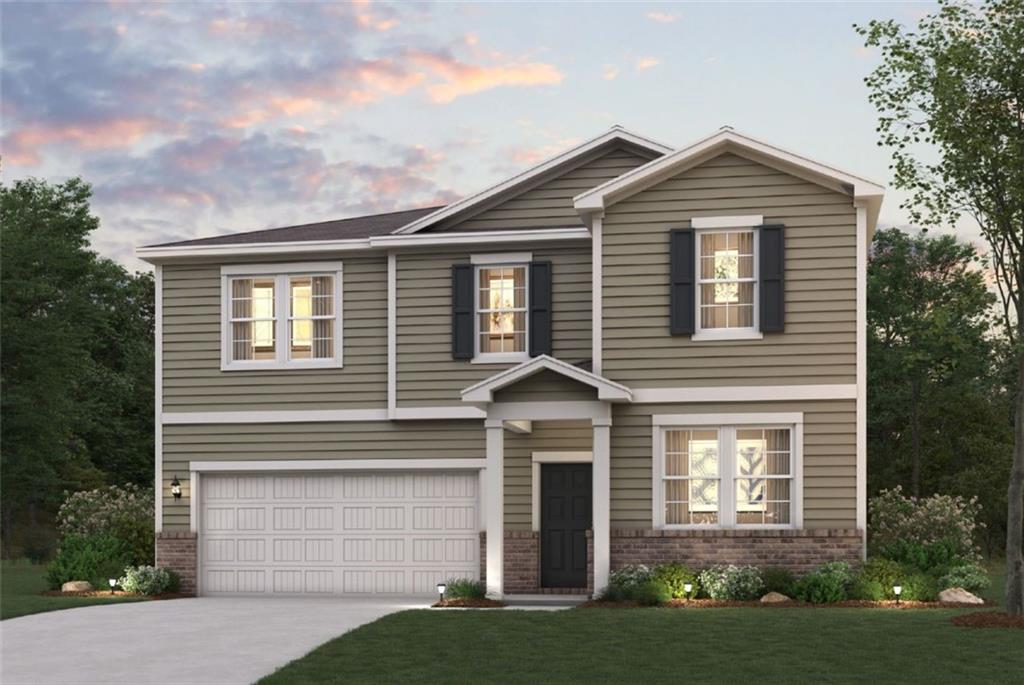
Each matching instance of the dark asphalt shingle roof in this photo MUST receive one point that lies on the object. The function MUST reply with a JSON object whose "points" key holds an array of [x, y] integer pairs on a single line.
{"points": [[338, 229]]}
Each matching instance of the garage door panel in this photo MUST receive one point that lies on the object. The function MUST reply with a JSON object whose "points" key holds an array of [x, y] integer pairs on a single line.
{"points": [[364, 534]]}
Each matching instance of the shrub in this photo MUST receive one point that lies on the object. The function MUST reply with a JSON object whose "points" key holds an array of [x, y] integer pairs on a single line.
{"points": [[932, 556], [970, 577], [878, 576], [674, 577], [778, 580], [896, 520], [94, 558], [149, 580], [828, 583], [464, 588], [732, 582], [125, 513], [867, 589], [919, 587], [628, 577], [651, 593]]}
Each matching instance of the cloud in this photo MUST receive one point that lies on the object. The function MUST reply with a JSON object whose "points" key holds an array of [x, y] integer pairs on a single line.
{"points": [[662, 17], [609, 72], [23, 146], [644, 63], [459, 78]]}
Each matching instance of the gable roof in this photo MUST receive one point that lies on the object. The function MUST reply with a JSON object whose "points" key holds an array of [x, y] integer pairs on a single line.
{"points": [[337, 229], [606, 389], [602, 196], [615, 134]]}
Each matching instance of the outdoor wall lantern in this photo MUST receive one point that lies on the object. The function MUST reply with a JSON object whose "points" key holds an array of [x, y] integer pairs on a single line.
{"points": [[441, 587], [897, 590], [176, 488], [687, 589], [113, 584]]}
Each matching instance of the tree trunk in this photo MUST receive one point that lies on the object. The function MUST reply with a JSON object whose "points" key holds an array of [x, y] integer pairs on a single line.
{"points": [[1015, 507], [915, 437]]}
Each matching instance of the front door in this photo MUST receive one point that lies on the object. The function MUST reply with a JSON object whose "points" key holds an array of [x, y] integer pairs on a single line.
{"points": [[565, 517]]}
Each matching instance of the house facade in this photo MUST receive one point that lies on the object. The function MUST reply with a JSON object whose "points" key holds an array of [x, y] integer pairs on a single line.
{"points": [[627, 354]]}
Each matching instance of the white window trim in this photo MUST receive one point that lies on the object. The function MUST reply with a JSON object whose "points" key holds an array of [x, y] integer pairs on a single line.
{"points": [[539, 458], [727, 476], [502, 258], [282, 308], [500, 357], [727, 224]]}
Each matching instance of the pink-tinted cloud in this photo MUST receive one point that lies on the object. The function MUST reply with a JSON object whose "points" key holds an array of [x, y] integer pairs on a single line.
{"points": [[663, 17], [645, 63], [459, 78], [22, 146], [610, 72]]}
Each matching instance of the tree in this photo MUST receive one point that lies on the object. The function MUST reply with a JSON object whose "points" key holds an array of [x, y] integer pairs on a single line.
{"points": [[76, 362], [950, 98]]}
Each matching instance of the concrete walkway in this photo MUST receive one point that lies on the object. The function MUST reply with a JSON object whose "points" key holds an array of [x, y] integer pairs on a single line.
{"points": [[205, 640]]}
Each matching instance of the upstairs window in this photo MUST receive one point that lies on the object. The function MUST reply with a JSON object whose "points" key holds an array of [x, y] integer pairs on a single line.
{"points": [[279, 316], [727, 281], [502, 311]]}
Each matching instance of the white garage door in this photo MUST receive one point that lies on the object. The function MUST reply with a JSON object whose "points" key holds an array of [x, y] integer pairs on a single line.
{"points": [[392, 533]]}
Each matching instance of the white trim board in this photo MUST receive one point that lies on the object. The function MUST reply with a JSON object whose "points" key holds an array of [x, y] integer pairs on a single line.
{"points": [[743, 393], [282, 416], [862, 373], [158, 388], [338, 465], [709, 222], [484, 390], [392, 334], [538, 458], [502, 258]]}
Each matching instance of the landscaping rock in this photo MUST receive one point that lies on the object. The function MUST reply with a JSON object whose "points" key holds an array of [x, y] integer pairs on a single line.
{"points": [[76, 586], [958, 595], [775, 598]]}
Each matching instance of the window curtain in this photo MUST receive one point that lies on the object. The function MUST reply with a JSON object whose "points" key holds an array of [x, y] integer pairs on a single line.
{"points": [[241, 308], [323, 306]]}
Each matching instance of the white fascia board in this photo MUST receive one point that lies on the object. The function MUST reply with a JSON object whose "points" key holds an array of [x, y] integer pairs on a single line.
{"points": [[611, 191], [615, 133], [744, 393], [283, 416], [336, 465], [606, 390], [530, 236]]}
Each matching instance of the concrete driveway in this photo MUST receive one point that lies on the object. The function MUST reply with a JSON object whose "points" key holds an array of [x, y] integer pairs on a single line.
{"points": [[205, 640]]}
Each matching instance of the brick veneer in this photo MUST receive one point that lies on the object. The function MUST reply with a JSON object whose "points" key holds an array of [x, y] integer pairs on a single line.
{"points": [[522, 564], [799, 551], [177, 551]]}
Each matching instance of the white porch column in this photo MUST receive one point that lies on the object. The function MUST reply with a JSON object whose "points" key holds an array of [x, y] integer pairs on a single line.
{"points": [[601, 470], [495, 506]]}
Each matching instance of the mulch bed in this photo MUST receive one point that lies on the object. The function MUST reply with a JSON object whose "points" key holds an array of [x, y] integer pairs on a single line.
{"points": [[468, 604], [116, 593], [792, 604], [988, 619]]}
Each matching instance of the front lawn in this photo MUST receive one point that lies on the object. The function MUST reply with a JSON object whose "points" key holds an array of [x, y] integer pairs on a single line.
{"points": [[664, 646], [21, 583]]}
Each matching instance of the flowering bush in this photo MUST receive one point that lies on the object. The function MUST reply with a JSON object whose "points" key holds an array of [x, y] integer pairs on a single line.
{"points": [[674, 578], [125, 513], [94, 558], [939, 525], [732, 582], [149, 580], [970, 577], [624, 583], [828, 583]]}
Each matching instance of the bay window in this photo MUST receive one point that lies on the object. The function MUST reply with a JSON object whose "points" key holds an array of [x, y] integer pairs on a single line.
{"points": [[712, 474], [281, 316]]}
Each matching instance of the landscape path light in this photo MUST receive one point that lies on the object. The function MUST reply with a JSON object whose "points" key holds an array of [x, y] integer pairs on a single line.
{"points": [[897, 590], [441, 587], [113, 584]]}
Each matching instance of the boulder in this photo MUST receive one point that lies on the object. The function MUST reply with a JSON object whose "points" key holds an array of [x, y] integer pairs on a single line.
{"points": [[958, 595], [775, 598], [77, 586]]}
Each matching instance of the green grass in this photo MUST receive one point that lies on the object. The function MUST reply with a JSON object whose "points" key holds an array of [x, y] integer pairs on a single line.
{"points": [[664, 646], [21, 583]]}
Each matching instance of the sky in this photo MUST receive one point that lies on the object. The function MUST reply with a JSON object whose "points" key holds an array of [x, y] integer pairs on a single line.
{"points": [[197, 119]]}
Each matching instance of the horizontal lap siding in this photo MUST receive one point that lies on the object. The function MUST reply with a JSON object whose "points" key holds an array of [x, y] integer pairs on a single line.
{"points": [[818, 345], [427, 374], [546, 386], [549, 204], [547, 436], [292, 441], [193, 381], [829, 458]]}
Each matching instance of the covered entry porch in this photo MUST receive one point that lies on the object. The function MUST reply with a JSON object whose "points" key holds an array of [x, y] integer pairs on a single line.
{"points": [[561, 416]]}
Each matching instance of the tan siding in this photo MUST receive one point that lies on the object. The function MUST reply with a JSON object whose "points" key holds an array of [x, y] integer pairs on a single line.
{"points": [[276, 441], [427, 374], [546, 386], [193, 380], [818, 345], [549, 204], [547, 436], [829, 458]]}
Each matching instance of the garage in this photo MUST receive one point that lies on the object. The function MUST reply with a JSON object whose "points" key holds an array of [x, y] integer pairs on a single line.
{"points": [[351, 533]]}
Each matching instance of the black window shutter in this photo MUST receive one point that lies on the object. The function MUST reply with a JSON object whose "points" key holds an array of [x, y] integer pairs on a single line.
{"points": [[682, 263], [462, 311], [540, 308], [772, 265]]}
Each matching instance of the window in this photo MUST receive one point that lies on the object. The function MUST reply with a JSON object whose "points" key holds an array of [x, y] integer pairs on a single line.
{"points": [[726, 475], [727, 280], [502, 313], [288, 318]]}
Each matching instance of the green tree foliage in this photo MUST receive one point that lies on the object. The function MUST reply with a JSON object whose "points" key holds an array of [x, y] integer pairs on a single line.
{"points": [[77, 357], [950, 100]]}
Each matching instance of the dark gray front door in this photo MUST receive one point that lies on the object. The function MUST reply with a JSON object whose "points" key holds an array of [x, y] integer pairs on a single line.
{"points": [[565, 517]]}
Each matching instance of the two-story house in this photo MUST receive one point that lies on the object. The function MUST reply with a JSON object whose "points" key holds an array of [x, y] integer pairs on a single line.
{"points": [[626, 354]]}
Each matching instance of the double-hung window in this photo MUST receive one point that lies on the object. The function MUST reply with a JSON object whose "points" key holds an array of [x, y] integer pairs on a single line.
{"points": [[724, 475], [502, 313], [281, 316], [727, 281]]}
